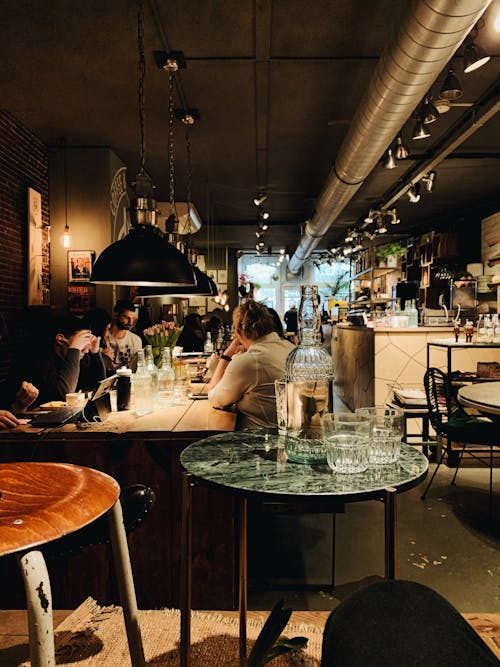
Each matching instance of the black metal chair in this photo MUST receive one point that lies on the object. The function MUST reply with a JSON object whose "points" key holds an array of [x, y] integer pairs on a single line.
{"points": [[451, 421]]}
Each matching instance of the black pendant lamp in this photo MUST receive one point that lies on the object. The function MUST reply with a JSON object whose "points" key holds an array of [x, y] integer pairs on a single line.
{"points": [[205, 286], [144, 257]]}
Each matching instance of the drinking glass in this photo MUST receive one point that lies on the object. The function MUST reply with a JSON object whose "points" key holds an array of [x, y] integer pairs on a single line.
{"points": [[386, 433], [280, 390], [347, 453], [346, 422]]}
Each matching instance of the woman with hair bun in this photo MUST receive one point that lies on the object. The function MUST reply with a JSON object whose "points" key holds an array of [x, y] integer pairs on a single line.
{"points": [[247, 369]]}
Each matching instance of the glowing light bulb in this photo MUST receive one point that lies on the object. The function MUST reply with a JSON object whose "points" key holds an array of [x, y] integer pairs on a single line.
{"points": [[66, 237], [497, 22]]}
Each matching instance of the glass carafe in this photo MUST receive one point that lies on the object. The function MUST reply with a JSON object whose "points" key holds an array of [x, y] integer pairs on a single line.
{"points": [[308, 371], [141, 383], [166, 379]]}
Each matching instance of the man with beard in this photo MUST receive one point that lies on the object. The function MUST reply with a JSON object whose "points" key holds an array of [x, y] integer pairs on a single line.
{"points": [[122, 343]]}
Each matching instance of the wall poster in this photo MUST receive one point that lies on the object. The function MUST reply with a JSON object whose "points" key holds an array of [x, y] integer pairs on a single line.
{"points": [[35, 249]]}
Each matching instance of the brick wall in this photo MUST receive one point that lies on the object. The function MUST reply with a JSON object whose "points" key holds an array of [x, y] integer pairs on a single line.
{"points": [[23, 164]]}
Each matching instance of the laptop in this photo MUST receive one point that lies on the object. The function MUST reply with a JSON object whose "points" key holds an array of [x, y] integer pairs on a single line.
{"points": [[96, 409]]}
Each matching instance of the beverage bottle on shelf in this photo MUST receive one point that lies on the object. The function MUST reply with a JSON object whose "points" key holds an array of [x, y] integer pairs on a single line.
{"points": [[413, 315], [166, 377], [141, 383], [496, 328], [208, 347], [481, 331], [488, 326], [153, 371]]}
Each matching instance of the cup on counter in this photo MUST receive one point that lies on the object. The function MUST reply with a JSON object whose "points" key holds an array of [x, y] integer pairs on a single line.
{"points": [[346, 422], [347, 453], [75, 399]]}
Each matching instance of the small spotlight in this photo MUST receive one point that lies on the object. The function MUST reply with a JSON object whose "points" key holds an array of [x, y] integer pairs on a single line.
{"points": [[393, 215], [260, 199], [265, 215], [451, 89], [263, 226], [282, 251], [401, 150], [414, 193], [389, 161], [370, 217], [259, 234], [420, 131], [474, 57], [429, 112], [348, 237], [429, 180]]}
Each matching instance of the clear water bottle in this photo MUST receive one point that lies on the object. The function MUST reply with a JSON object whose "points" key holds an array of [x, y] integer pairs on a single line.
{"points": [[208, 347], [488, 327], [496, 328], [481, 331], [413, 315], [153, 371], [141, 382], [308, 371], [166, 377]]}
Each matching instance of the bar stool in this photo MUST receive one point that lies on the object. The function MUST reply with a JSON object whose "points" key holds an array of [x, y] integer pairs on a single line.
{"points": [[41, 502]]}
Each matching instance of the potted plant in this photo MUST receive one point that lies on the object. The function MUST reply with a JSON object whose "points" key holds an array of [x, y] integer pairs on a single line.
{"points": [[390, 253]]}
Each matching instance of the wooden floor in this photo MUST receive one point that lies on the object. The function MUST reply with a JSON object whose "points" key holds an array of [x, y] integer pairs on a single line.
{"points": [[14, 645]]}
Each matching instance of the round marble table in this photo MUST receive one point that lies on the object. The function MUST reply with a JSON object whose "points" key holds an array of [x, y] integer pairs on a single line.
{"points": [[253, 464], [482, 396]]}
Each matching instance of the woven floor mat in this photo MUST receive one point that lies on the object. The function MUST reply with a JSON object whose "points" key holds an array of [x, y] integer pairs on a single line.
{"points": [[94, 636]]}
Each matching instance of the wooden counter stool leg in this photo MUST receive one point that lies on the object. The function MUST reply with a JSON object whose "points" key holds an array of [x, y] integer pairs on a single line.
{"points": [[39, 603], [126, 586]]}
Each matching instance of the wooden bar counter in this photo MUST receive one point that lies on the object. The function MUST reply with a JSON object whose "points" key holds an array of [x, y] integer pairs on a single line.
{"points": [[138, 450]]}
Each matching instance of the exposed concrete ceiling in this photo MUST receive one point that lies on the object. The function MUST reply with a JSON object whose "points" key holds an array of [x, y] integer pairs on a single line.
{"points": [[276, 82]]}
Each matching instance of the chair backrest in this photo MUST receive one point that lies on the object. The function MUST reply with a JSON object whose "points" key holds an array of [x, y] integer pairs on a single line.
{"points": [[441, 398]]}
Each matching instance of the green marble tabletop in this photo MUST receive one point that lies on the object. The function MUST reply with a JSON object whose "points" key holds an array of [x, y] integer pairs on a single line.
{"points": [[255, 462]]}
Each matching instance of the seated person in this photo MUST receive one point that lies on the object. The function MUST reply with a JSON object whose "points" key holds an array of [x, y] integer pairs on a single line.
{"points": [[25, 396], [246, 371], [98, 321], [121, 343], [193, 334], [278, 326], [69, 360]]}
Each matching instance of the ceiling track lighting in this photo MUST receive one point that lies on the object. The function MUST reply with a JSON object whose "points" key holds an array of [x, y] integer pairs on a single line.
{"points": [[414, 193], [451, 88], [393, 215], [429, 112], [260, 198], [389, 161], [187, 116], [143, 257], [474, 55], [401, 151], [429, 180], [420, 130], [171, 61]]}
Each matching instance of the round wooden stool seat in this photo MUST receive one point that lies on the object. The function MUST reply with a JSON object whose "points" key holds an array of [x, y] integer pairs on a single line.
{"points": [[41, 502]]}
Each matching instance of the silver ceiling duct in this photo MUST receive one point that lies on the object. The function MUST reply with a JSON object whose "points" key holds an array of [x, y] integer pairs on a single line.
{"points": [[421, 44]]}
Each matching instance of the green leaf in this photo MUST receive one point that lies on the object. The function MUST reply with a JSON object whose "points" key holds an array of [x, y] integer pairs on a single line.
{"points": [[276, 621]]}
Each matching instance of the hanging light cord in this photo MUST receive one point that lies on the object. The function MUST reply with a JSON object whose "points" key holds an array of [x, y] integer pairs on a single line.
{"points": [[65, 184], [171, 142], [189, 172], [142, 76]]}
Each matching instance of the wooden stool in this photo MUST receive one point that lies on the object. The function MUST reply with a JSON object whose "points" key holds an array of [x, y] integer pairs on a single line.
{"points": [[41, 502]]}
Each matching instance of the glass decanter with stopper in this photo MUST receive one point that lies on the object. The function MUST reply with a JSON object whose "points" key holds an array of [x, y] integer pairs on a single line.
{"points": [[308, 371]]}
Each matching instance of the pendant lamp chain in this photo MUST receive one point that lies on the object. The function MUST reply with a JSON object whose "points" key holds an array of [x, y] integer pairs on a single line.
{"points": [[171, 169], [141, 92]]}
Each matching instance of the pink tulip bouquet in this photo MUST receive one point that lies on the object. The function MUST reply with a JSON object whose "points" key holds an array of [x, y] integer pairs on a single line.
{"points": [[160, 336]]}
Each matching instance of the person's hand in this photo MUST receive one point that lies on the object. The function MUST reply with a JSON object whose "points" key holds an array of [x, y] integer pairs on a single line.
{"points": [[234, 347], [8, 420], [81, 340], [26, 394], [109, 352], [95, 343]]}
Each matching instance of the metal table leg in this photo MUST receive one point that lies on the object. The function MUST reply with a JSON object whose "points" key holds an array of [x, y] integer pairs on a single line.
{"points": [[243, 583], [126, 586], [39, 601], [390, 532], [186, 559]]}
